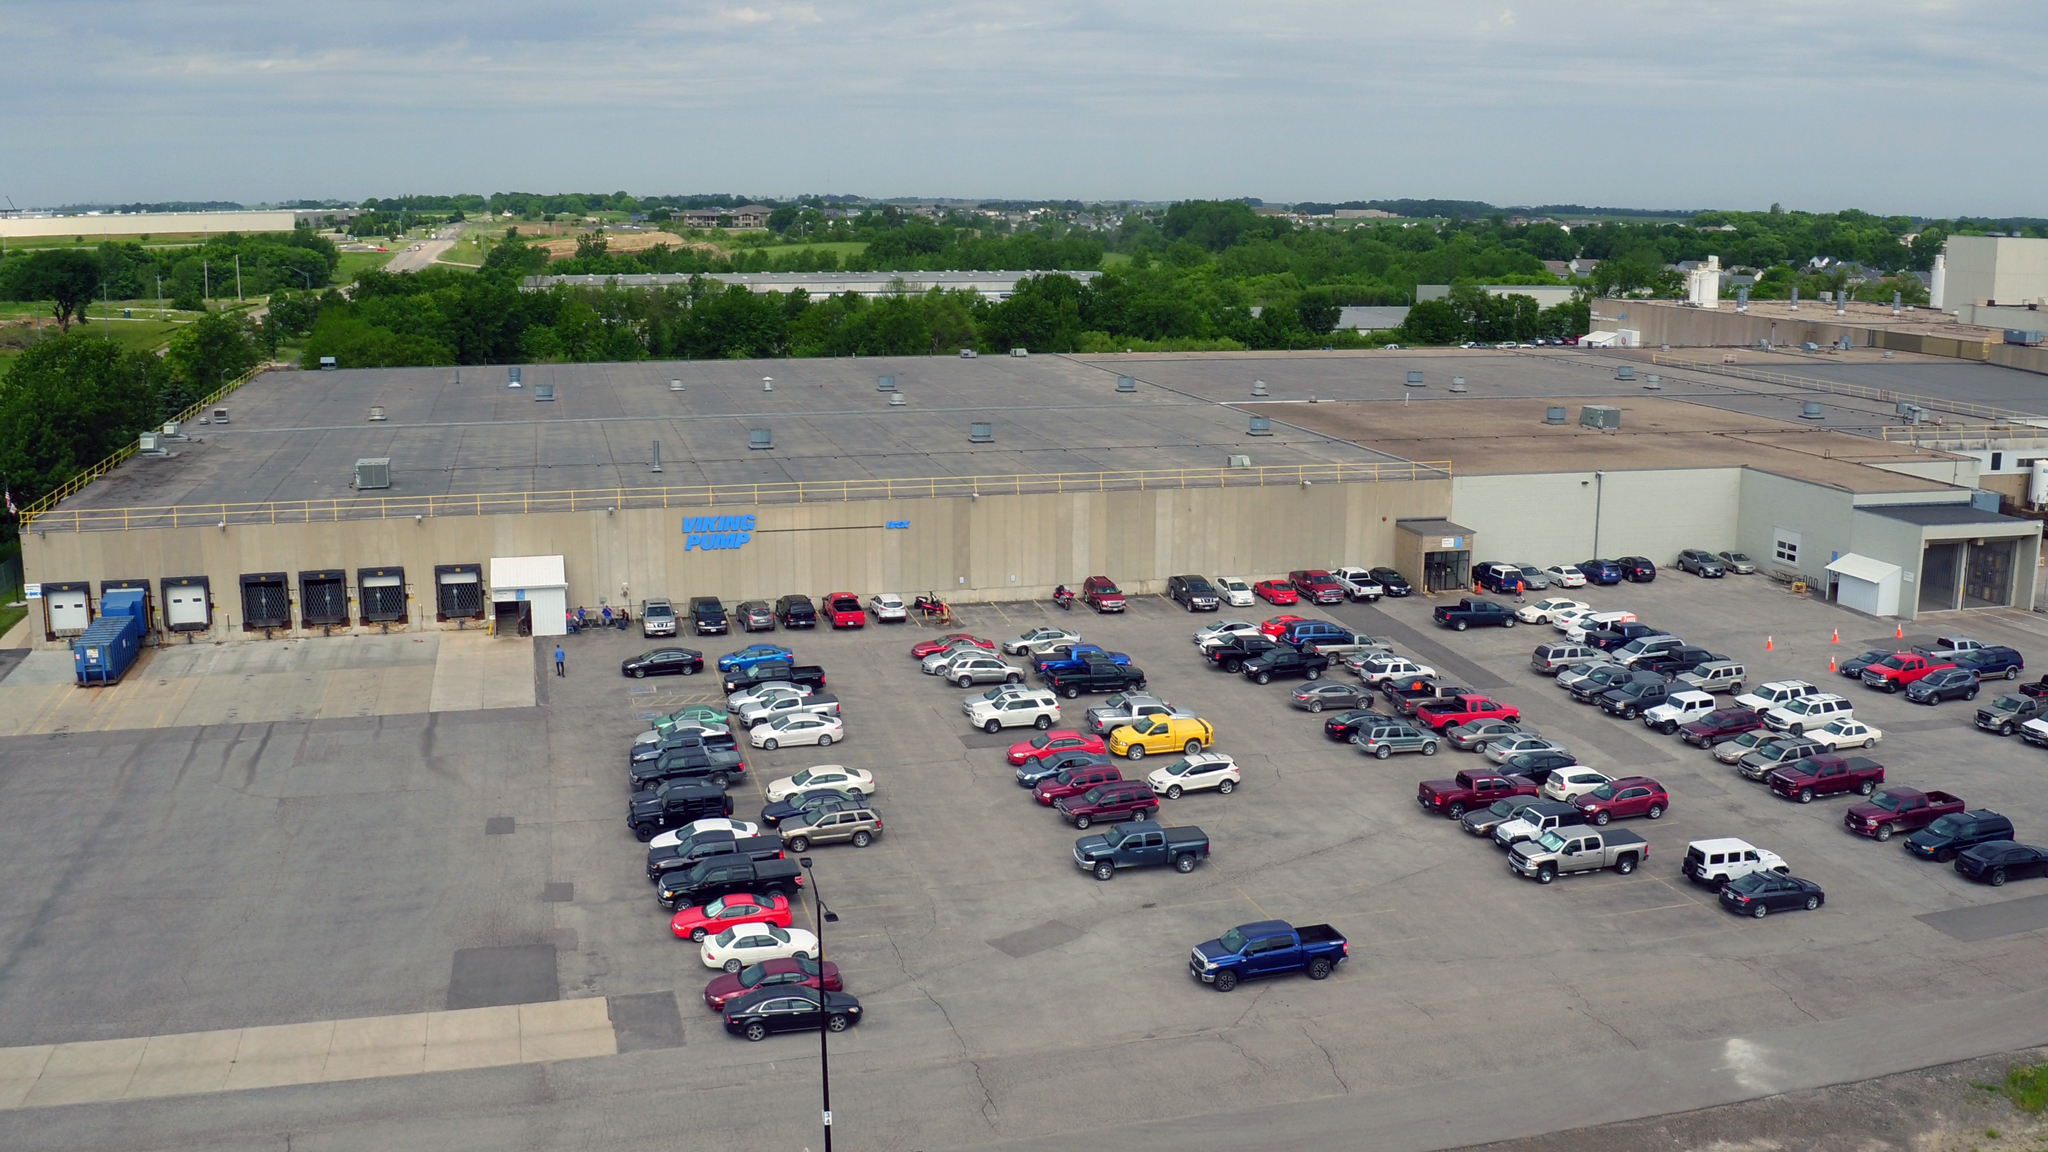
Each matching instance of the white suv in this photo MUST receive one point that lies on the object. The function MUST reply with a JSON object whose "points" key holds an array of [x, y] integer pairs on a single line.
{"points": [[1389, 668], [1678, 708], [1796, 716], [1716, 862], [1769, 696], [1037, 709]]}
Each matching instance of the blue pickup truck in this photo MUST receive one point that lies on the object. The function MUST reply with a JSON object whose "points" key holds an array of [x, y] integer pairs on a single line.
{"points": [[1073, 658], [1267, 948]]}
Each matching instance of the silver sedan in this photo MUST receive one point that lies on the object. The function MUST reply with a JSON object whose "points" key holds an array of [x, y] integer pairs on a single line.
{"points": [[1499, 751], [1480, 732]]}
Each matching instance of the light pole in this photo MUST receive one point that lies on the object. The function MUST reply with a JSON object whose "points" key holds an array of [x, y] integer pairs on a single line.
{"points": [[825, 916]]}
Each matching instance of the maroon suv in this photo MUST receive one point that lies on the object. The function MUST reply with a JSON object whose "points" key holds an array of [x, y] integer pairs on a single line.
{"points": [[1720, 724], [1100, 593], [1117, 800], [1074, 781]]}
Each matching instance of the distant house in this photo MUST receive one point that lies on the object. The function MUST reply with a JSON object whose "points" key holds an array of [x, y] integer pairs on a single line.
{"points": [[1371, 318], [1562, 269], [745, 216]]}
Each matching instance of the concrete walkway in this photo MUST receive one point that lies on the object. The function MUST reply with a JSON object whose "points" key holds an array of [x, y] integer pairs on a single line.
{"points": [[97, 1071]]}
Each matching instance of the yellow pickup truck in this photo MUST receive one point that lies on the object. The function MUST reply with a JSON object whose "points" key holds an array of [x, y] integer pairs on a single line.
{"points": [[1161, 734]]}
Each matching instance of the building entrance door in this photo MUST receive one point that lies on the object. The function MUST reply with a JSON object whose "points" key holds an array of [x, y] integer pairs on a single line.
{"points": [[1445, 571]]}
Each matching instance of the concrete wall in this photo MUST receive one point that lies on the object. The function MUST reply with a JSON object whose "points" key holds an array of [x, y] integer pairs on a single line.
{"points": [[1818, 513], [2008, 269], [1548, 518], [997, 547]]}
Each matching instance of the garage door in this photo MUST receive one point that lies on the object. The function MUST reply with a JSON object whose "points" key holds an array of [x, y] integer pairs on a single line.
{"points": [[323, 597], [185, 605], [459, 593], [265, 603], [70, 610], [382, 591]]}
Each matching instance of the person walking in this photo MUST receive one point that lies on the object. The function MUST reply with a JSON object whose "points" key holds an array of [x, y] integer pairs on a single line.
{"points": [[560, 669]]}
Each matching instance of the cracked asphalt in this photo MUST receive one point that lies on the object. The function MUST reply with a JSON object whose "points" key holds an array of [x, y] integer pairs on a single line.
{"points": [[347, 888]]}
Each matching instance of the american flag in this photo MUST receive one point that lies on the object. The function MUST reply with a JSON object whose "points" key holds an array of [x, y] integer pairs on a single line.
{"points": [[9, 493]]}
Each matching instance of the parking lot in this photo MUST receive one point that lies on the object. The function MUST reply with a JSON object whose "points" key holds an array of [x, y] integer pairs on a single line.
{"points": [[202, 878]]}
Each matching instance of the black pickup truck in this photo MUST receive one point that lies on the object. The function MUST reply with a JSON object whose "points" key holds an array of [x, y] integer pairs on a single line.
{"points": [[714, 766], [679, 740], [1284, 661], [1231, 655], [773, 670], [1138, 843], [1469, 611], [673, 805], [1095, 676], [716, 876], [704, 845], [1424, 693]]}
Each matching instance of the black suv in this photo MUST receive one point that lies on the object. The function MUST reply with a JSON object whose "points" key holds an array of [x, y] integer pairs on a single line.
{"points": [[755, 615], [1701, 562], [1945, 684], [796, 612], [1194, 593], [673, 805], [1395, 583], [1990, 662], [708, 615], [1537, 766], [1950, 834], [1637, 569]]}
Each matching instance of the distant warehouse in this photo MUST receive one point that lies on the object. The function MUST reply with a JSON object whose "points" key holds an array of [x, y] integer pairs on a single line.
{"points": [[994, 285]]}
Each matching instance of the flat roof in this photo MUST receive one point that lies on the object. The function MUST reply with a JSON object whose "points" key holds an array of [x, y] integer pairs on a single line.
{"points": [[1943, 515], [1431, 526], [1506, 436], [297, 435]]}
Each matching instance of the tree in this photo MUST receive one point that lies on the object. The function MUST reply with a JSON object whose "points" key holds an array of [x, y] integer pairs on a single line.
{"points": [[1432, 322], [206, 354], [1318, 310], [67, 404], [68, 277]]}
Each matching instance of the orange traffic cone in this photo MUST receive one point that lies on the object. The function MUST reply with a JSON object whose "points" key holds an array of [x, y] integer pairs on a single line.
{"points": [[1767, 643], [1831, 663], [1898, 631], [1835, 637]]}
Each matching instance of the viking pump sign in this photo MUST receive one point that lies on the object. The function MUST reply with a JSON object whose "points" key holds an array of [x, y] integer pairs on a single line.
{"points": [[710, 532]]}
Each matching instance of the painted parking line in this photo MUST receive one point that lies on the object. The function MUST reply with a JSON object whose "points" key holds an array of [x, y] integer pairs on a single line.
{"points": [[318, 1052]]}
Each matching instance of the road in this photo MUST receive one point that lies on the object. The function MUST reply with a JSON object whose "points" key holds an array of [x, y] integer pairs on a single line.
{"points": [[417, 256]]}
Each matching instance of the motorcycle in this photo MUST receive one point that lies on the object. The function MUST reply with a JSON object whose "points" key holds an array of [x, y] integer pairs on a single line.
{"points": [[1064, 598], [930, 605]]}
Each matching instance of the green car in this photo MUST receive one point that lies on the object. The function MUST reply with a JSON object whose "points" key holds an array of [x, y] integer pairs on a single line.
{"points": [[694, 714]]}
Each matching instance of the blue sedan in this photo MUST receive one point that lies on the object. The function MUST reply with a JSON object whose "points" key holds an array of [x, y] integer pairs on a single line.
{"points": [[754, 654]]}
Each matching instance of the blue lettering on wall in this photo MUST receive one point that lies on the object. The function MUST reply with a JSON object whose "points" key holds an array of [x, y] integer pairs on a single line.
{"points": [[716, 532], [897, 524]]}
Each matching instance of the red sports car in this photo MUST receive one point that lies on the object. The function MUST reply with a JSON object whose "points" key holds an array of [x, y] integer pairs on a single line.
{"points": [[1272, 629], [1061, 740], [767, 974], [924, 648], [727, 911], [1276, 592]]}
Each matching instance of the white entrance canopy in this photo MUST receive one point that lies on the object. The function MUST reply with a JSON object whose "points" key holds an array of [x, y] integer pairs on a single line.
{"points": [[538, 580]]}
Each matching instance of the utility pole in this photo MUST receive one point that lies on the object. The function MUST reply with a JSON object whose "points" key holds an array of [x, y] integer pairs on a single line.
{"points": [[206, 280], [159, 296], [238, 278], [825, 916]]}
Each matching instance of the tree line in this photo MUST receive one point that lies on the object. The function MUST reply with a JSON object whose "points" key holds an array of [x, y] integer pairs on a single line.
{"points": [[71, 279]]}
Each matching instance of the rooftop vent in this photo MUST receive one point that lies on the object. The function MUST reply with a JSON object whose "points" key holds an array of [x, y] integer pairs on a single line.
{"points": [[1458, 384], [1599, 416], [1810, 410], [220, 415], [1653, 383], [675, 386], [174, 431], [544, 392], [1258, 387], [1239, 462], [896, 400], [1625, 372], [759, 438], [1260, 426], [1553, 415], [981, 432], [373, 472], [885, 383], [1126, 384], [327, 364], [376, 414], [512, 376], [1415, 380], [767, 383], [1020, 352], [656, 466], [151, 444]]}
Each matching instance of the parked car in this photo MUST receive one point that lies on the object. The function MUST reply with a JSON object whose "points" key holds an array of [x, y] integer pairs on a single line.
{"points": [[924, 648], [1637, 569], [843, 610], [1825, 774], [1900, 670], [1532, 819], [735, 948], [1445, 715], [754, 654], [1853, 667], [1701, 562], [1101, 594], [1385, 735], [1276, 592], [1345, 725], [1032, 772], [2005, 714], [855, 826], [1718, 725], [1469, 612], [707, 616], [1715, 862], [1538, 767], [1053, 743], [1571, 783], [1601, 571], [1679, 661], [1223, 631], [1236, 592], [1034, 707], [754, 616], [1555, 854], [806, 804], [1506, 748], [1897, 810], [1992, 662], [1996, 861], [788, 704], [760, 695], [1737, 562], [1840, 734], [1408, 700], [796, 611], [1094, 675], [1718, 674], [888, 608], [1075, 780], [1316, 586], [1193, 593], [1073, 657], [1475, 735], [1534, 579], [1946, 684], [1626, 796], [1116, 800], [1161, 734], [673, 805], [1231, 654], [1201, 771], [707, 880], [1600, 679], [663, 662], [785, 1009], [1617, 636], [1267, 948], [1566, 575], [1645, 647], [799, 729], [1760, 893], [657, 618], [727, 987], [739, 829], [696, 922], [1774, 693], [1949, 835], [1733, 749], [1396, 584], [1796, 716], [1636, 696], [1273, 626], [1039, 640], [1468, 790], [1358, 583], [772, 672], [1137, 844], [1678, 709], [1584, 627], [1128, 708], [823, 776], [1320, 694], [1384, 670], [1777, 752], [1283, 662], [1484, 821], [1545, 610]]}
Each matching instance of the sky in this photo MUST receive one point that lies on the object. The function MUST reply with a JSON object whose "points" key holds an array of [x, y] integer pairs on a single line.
{"points": [[1923, 107]]}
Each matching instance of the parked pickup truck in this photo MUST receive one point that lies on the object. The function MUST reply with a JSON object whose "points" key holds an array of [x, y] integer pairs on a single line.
{"points": [[2005, 714], [1445, 715], [712, 765], [1095, 676], [1896, 810], [1067, 657], [1811, 776], [1578, 850], [1267, 948], [1896, 671], [1428, 693], [1470, 611], [771, 671], [1137, 844], [1127, 708], [1284, 662], [1233, 652], [1469, 789]]}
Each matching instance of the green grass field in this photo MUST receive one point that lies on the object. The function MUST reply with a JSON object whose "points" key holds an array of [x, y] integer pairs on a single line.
{"points": [[9, 617], [354, 262]]}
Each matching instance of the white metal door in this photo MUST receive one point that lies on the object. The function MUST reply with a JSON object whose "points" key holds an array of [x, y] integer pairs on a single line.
{"points": [[68, 612], [185, 606], [550, 611]]}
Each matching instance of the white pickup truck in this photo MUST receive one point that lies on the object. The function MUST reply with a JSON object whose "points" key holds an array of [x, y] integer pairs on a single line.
{"points": [[1358, 583]]}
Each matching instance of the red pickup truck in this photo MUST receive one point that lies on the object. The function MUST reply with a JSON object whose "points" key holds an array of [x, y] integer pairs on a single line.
{"points": [[1899, 669], [1451, 798], [1464, 710], [845, 610], [1802, 780], [1896, 810]]}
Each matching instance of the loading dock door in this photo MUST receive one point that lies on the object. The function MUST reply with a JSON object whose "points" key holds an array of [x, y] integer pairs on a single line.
{"points": [[382, 591], [266, 603], [459, 592], [323, 598], [186, 607], [69, 607]]}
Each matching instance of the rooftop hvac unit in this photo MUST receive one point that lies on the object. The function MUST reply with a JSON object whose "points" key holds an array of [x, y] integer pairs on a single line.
{"points": [[544, 393], [376, 413], [1415, 380], [1625, 372], [1553, 415], [1126, 384], [220, 415], [1653, 383], [896, 400], [1458, 384], [885, 383], [1810, 410], [759, 438], [2022, 336], [981, 432], [150, 444], [1260, 426], [373, 473], [1239, 462], [1599, 416], [1020, 352], [1258, 387], [174, 431], [675, 386]]}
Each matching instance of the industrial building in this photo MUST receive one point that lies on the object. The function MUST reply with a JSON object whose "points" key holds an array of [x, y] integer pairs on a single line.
{"points": [[432, 498], [174, 223], [997, 286]]}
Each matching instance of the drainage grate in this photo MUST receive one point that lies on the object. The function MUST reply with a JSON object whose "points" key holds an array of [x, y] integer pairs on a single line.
{"points": [[498, 826], [558, 892]]}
